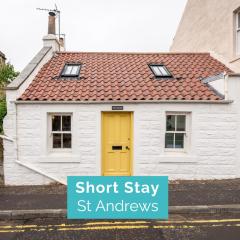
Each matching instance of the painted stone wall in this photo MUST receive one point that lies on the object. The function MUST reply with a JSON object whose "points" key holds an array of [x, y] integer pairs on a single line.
{"points": [[213, 151], [1, 162], [208, 25]]}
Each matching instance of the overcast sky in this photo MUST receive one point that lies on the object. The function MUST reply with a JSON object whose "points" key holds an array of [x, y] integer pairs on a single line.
{"points": [[89, 25]]}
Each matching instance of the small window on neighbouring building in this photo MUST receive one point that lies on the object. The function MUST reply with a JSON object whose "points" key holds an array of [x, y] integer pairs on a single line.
{"points": [[238, 33], [160, 71], [71, 70], [175, 136], [61, 134]]}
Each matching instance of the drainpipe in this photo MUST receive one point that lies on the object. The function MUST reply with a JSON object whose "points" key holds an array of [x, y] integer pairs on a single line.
{"points": [[226, 86]]}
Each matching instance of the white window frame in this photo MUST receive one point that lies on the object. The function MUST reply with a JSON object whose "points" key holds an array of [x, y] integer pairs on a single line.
{"points": [[50, 133], [71, 66], [186, 133], [237, 30], [165, 73]]}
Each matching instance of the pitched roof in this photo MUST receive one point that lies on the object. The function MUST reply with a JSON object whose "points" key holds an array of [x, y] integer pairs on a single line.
{"points": [[125, 77]]}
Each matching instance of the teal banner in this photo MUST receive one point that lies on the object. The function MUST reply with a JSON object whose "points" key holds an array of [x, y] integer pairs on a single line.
{"points": [[117, 197]]}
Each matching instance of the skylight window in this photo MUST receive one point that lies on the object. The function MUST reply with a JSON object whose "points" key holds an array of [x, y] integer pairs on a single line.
{"points": [[71, 70], [160, 71]]}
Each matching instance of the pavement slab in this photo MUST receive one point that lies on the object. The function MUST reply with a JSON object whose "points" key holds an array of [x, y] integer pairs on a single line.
{"points": [[181, 193]]}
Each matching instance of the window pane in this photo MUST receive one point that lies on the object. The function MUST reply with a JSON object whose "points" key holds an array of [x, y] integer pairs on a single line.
{"points": [[74, 70], [56, 140], [157, 71], [56, 123], [66, 123], [181, 123], [67, 140], [238, 20], [179, 140], [169, 140], [170, 123], [163, 71], [238, 42], [68, 70]]}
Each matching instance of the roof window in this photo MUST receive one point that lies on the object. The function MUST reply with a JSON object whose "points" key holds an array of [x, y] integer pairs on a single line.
{"points": [[160, 70], [71, 70]]}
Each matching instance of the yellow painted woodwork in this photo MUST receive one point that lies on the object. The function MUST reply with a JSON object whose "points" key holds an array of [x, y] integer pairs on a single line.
{"points": [[116, 143]]}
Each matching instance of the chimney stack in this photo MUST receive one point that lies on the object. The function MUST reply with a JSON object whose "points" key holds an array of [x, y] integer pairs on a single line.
{"points": [[51, 23], [51, 39]]}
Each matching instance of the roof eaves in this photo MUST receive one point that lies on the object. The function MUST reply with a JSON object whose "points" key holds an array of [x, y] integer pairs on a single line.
{"points": [[221, 101]]}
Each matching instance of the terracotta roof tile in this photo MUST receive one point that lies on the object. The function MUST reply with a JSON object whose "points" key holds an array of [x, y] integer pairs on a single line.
{"points": [[124, 77]]}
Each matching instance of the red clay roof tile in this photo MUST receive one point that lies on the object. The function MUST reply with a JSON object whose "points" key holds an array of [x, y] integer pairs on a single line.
{"points": [[124, 77]]}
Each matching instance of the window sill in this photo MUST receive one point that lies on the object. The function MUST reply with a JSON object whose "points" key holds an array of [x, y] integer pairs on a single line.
{"points": [[60, 157], [173, 151], [177, 157]]}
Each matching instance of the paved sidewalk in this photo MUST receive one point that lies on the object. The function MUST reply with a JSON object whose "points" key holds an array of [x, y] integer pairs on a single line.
{"points": [[182, 193]]}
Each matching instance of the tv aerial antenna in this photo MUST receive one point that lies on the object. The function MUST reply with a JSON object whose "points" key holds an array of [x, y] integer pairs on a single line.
{"points": [[58, 14]]}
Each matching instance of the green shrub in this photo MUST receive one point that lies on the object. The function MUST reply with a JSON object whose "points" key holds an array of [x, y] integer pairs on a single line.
{"points": [[3, 111], [7, 74]]}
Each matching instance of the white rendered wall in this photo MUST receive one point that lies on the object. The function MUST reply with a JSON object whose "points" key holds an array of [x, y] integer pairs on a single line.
{"points": [[209, 26], [213, 153]]}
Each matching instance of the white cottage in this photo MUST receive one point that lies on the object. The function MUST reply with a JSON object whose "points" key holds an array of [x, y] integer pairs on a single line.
{"points": [[72, 113]]}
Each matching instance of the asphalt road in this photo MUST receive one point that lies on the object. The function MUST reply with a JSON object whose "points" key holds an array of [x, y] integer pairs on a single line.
{"points": [[179, 227]]}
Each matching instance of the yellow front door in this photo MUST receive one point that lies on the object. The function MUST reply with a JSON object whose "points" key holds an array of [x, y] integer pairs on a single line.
{"points": [[116, 143]]}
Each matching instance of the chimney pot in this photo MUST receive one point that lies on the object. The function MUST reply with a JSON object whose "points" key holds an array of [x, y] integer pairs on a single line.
{"points": [[62, 42], [51, 23]]}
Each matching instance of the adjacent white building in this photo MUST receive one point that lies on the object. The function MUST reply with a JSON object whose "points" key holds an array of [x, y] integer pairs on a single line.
{"points": [[211, 26]]}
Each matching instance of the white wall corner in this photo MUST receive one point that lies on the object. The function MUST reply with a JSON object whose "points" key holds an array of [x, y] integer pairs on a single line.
{"points": [[13, 91], [233, 87], [51, 40]]}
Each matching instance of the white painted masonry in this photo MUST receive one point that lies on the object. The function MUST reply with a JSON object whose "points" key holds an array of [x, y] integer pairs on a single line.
{"points": [[209, 26], [214, 150]]}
